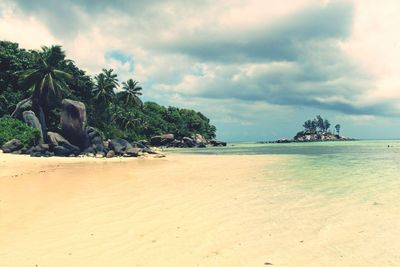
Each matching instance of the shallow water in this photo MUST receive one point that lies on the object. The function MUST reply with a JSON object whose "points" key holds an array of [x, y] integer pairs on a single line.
{"points": [[360, 169]]}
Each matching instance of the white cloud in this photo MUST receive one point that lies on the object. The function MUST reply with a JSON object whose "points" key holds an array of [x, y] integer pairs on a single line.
{"points": [[28, 31], [359, 68], [375, 45]]}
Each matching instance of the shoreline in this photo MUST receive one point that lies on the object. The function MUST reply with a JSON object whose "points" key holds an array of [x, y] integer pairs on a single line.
{"points": [[182, 210]]}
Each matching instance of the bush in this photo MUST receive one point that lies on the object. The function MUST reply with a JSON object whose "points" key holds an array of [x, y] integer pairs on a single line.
{"points": [[15, 129]]}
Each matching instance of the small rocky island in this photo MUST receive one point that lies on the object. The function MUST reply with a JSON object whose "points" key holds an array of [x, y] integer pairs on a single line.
{"points": [[316, 130]]}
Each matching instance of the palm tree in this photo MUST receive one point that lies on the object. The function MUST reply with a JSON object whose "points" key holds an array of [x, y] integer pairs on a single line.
{"points": [[131, 92], [45, 81], [128, 119], [105, 83], [104, 95], [337, 128]]}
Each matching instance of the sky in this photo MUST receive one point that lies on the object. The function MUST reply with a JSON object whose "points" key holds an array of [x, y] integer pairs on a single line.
{"points": [[257, 68]]}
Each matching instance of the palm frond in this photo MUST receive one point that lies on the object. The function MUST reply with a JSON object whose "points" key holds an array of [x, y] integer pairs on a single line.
{"points": [[63, 75]]}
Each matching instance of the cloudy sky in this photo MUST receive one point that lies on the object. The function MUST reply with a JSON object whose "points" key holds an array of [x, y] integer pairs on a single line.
{"points": [[257, 68]]}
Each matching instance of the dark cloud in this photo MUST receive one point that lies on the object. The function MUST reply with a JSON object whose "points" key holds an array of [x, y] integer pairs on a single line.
{"points": [[68, 17], [294, 61], [284, 40], [304, 63]]}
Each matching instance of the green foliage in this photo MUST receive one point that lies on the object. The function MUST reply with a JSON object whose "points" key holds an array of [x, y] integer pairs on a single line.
{"points": [[46, 75], [15, 129], [12, 61], [337, 128], [318, 123], [130, 94], [44, 79]]}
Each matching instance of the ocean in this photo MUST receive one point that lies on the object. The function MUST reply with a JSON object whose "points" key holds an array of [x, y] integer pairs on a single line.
{"points": [[359, 169]]}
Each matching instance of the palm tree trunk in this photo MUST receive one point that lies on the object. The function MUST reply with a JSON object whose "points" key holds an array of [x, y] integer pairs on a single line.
{"points": [[42, 120], [18, 106]]}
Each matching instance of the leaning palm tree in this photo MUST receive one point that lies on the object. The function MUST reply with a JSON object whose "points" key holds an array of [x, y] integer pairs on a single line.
{"points": [[131, 92], [45, 81]]}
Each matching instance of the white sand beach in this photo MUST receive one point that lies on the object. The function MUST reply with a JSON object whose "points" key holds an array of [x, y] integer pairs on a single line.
{"points": [[182, 210]]}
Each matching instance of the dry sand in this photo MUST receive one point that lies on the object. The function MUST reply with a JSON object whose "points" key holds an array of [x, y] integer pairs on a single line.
{"points": [[181, 211]]}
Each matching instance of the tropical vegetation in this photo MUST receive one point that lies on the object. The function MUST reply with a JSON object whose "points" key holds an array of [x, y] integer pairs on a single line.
{"points": [[39, 80], [319, 127], [318, 124], [15, 129]]}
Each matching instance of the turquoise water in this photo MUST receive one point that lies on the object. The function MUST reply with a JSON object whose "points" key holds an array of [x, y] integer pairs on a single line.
{"points": [[362, 169]]}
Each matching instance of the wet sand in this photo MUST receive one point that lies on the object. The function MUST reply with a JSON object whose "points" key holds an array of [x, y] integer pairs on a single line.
{"points": [[182, 210]]}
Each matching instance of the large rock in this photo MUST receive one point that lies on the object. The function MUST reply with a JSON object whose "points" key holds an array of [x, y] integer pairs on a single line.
{"points": [[189, 142], [217, 143], [41, 150], [61, 151], [119, 145], [12, 146], [110, 154], [57, 140], [138, 145], [95, 139], [200, 140], [168, 137], [31, 120], [73, 123], [155, 140], [176, 143], [144, 142], [162, 140], [132, 152]]}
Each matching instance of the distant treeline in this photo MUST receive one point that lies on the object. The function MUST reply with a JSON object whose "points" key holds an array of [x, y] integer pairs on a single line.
{"points": [[45, 77]]}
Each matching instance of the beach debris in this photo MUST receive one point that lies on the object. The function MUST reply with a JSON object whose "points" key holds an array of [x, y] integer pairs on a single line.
{"points": [[268, 263]]}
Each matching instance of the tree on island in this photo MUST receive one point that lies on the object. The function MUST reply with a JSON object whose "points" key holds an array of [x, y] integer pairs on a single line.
{"points": [[326, 126], [310, 125], [318, 124], [318, 129], [337, 128]]}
